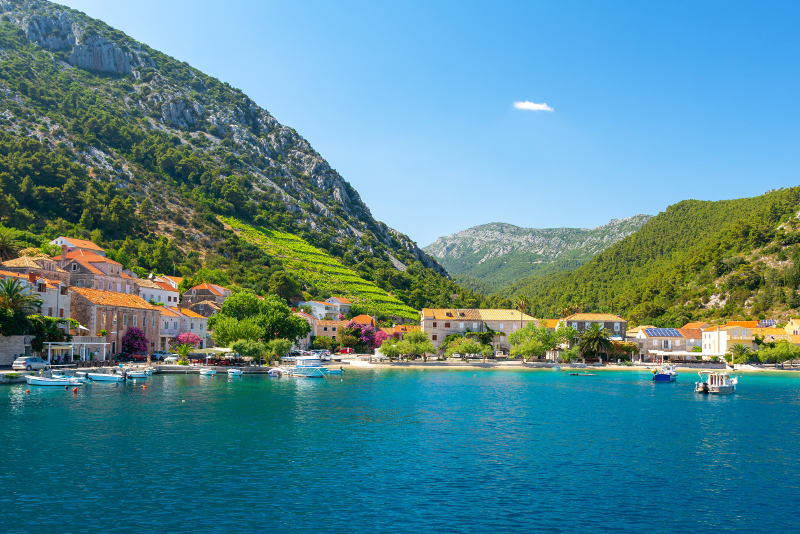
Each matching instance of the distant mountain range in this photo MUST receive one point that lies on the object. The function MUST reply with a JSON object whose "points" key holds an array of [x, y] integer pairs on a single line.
{"points": [[491, 256]]}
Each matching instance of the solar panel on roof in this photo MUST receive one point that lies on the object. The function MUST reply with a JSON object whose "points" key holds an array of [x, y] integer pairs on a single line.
{"points": [[662, 332]]}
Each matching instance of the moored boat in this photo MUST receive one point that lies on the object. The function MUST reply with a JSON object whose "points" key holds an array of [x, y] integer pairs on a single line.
{"points": [[130, 373], [667, 373], [309, 367], [105, 377], [208, 372], [235, 372], [716, 383], [60, 381]]}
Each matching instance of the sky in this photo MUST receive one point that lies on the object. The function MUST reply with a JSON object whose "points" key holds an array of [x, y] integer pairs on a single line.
{"points": [[446, 115]]}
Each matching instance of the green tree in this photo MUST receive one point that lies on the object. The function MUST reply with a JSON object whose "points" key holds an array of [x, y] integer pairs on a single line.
{"points": [[18, 299], [250, 349], [9, 244], [283, 285], [279, 347], [595, 341], [229, 329], [740, 353], [419, 344]]}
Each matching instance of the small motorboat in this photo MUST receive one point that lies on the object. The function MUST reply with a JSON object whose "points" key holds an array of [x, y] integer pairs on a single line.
{"points": [[235, 372], [60, 381], [277, 371], [105, 377], [716, 383], [136, 373], [149, 370], [582, 374], [205, 371], [556, 368], [338, 371], [667, 373]]}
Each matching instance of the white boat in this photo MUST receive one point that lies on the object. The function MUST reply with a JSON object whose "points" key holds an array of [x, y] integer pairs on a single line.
{"points": [[60, 381], [207, 372], [235, 372], [149, 370], [137, 374], [667, 373], [556, 368], [105, 377], [309, 367], [278, 371], [716, 383]]}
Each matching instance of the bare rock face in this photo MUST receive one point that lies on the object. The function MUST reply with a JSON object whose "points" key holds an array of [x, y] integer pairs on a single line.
{"points": [[95, 53], [178, 112]]}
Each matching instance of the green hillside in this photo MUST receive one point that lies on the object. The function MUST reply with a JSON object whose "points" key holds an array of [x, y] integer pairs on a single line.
{"points": [[697, 260], [317, 268], [104, 138]]}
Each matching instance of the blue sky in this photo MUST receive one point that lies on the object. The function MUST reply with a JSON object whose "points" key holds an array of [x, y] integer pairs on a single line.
{"points": [[413, 102]]}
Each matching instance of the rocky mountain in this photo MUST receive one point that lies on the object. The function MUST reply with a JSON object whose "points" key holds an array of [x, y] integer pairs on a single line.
{"points": [[135, 146], [499, 254]]}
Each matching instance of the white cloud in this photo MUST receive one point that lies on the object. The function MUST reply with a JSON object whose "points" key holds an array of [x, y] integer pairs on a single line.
{"points": [[532, 106]]}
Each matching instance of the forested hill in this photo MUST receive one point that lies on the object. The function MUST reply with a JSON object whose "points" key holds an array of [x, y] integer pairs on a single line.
{"points": [[698, 260], [105, 138], [499, 254]]}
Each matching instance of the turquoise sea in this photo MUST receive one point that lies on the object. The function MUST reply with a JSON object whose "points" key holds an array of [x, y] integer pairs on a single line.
{"points": [[403, 450]]}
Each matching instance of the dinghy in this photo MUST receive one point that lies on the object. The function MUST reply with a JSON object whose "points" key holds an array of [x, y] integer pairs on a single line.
{"points": [[53, 381], [235, 372]]}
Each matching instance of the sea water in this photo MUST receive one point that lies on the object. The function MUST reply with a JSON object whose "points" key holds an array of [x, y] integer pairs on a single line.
{"points": [[402, 450]]}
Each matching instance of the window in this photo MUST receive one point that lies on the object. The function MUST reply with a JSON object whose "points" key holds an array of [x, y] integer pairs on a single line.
{"points": [[104, 320], [474, 326], [134, 320], [616, 327], [114, 320], [434, 337], [124, 319], [333, 328], [81, 283], [191, 326], [514, 326], [677, 342], [153, 321], [325, 329], [575, 325], [41, 288], [175, 325], [144, 321], [461, 325], [74, 266], [61, 312], [166, 325], [501, 326], [434, 324], [655, 342], [447, 325], [49, 312]]}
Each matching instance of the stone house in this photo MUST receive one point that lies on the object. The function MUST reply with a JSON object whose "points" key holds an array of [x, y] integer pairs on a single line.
{"points": [[172, 281], [613, 323], [41, 265], [96, 272], [203, 292], [116, 313], [440, 323], [175, 321], [654, 339], [206, 308], [330, 329]]}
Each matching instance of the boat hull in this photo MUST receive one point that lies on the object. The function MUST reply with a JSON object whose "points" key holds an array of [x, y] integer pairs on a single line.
{"points": [[100, 377], [664, 378], [235, 372], [721, 390], [208, 372], [55, 382]]}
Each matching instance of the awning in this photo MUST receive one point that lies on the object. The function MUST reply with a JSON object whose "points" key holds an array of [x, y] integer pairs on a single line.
{"points": [[215, 350]]}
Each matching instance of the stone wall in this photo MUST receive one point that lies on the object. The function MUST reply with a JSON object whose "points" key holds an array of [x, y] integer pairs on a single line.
{"points": [[10, 348]]}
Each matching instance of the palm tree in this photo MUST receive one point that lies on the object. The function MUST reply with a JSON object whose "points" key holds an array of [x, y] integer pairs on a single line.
{"points": [[522, 304], [18, 300], [595, 340], [9, 246], [739, 353]]}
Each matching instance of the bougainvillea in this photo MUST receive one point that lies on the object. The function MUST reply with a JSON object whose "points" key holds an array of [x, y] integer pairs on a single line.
{"points": [[367, 335], [135, 342], [188, 339]]}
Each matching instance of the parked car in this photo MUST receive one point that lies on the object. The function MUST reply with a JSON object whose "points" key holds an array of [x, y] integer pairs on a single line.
{"points": [[29, 363], [347, 350], [171, 358]]}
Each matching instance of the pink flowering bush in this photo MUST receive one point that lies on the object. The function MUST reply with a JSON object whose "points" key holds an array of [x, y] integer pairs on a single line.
{"points": [[135, 342], [367, 335], [188, 339]]}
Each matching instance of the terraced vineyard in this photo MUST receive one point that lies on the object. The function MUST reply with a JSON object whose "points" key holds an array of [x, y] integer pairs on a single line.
{"points": [[307, 262]]}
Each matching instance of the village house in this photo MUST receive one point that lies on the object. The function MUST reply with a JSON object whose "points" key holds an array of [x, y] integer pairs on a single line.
{"points": [[71, 244], [343, 305], [97, 272], [156, 292], [54, 293], [203, 292], [438, 323], [206, 308], [692, 335], [613, 323], [305, 343], [398, 331], [116, 313], [659, 340], [365, 320], [792, 327], [329, 329], [322, 310], [40, 264], [719, 339], [175, 321], [172, 281]]}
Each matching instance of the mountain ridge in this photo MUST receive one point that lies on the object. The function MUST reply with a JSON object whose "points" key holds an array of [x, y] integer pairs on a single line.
{"points": [[499, 254]]}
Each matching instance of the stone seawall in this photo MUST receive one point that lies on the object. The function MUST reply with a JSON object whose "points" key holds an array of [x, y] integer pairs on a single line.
{"points": [[11, 347]]}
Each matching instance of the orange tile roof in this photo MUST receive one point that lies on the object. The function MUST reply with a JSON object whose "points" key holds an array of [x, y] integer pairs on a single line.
{"points": [[334, 323], [112, 298], [700, 325], [89, 267], [403, 328], [168, 312], [691, 333], [342, 300], [176, 279], [363, 319], [87, 256], [745, 324], [166, 287], [83, 243], [209, 303], [305, 316], [23, 261], [387, 331], [189, 313], [595, 317], [127, 276], [53, 284], [552, 323], [215, 289]]}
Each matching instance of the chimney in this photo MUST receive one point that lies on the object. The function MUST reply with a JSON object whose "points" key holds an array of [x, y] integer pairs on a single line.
{"points": [[63, 255], [32, 278]]}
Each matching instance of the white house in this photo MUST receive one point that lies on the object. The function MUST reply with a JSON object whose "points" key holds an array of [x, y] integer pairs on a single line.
{"points": [[54, 293], [176, 321], [343, 304], [322, 310], [162, 292], [73, 244]]}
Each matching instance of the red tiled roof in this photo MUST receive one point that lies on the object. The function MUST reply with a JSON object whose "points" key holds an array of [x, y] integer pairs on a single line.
{"points": [[363, 319], [342, 300], [87, 256], [89, 267], [215, 289], [83, 243], [745, 324], [112, 298], [165, 286]]}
